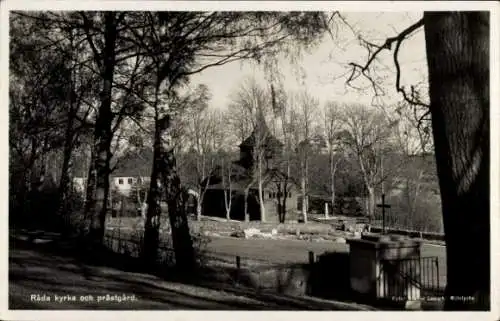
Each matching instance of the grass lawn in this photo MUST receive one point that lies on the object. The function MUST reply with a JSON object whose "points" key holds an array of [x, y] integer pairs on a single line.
{"points": [[274, 251]]}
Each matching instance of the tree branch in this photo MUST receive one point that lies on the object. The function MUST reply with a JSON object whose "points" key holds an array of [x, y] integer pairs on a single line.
{"points": [[373, 52], [413, 100], [87, 27]]}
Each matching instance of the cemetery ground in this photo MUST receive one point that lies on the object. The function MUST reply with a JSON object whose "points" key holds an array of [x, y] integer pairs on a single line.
{"points": [[285, 247], [31, 270]]}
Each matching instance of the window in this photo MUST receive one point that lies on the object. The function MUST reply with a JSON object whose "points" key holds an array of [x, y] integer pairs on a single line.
{"points": [[130, 181], [120, 181], [274, 195], [270, 195], [289, 194], [139, 180]]}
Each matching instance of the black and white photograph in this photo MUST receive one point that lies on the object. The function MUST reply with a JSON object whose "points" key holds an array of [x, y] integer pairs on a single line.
{"points": [[249, 156]]}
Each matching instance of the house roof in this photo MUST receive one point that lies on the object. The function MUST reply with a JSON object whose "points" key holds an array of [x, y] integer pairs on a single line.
{"points": [[244, 182], [268, 139]]}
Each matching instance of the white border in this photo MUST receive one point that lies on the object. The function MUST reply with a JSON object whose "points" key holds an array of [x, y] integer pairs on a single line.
{"points": [[253, 5], [357, 6]]}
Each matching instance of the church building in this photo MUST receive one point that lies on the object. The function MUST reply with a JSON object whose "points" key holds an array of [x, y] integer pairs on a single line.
{"points": [[279, 191]]}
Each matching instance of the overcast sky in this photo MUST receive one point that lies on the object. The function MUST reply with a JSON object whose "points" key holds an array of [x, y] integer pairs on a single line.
{"points": [[326, 66]]}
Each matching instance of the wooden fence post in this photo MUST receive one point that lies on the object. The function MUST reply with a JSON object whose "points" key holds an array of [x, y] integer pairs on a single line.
{"points": [[238, 267], [312, 257]]}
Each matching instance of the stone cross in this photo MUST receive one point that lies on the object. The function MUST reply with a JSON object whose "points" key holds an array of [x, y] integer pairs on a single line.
{"points": [[383, 205]]}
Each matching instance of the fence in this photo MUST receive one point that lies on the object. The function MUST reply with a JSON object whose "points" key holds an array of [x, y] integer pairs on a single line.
{"points": [[223, 268], [412, 233], [376, 227], [131, 245], [409, 279]]}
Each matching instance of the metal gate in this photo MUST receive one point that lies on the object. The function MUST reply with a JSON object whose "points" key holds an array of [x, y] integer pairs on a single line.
{"points": [[408, 279]]}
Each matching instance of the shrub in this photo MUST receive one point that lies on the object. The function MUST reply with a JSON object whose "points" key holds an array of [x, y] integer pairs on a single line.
{"points": [[425, 216], [348, 206], [200, 244]]}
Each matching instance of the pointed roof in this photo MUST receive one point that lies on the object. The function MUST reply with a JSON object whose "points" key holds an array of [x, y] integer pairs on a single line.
{"points": [[261, 130]]}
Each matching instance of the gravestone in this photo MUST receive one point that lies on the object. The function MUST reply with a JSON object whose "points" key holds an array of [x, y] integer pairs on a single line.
{"points": [[373, 279]]}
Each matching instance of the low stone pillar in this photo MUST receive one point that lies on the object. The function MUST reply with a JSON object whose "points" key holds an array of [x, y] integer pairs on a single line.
{"points": [[371, 278]]}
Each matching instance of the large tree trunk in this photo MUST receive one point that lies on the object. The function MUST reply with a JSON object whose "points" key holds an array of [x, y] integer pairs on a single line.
{"points": [[98, 185], [181, 237], [458, 59], [152, 223], [64, 182], [65, 178]]}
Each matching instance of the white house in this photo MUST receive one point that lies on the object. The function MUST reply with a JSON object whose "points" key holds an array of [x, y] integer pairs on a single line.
{"points": [[122, 184]]}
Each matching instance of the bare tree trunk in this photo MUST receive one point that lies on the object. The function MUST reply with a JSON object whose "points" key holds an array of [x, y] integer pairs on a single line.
{"points": [[261, 193], [227, 196], [303, 186], [201, 197], [285, 187], [458, 58], [201, 168], [198, 207], [141, 201], [283, 203], [371, 201], [278, 197], [333, 171], [98, 188], [247, 215], [227, 204]]}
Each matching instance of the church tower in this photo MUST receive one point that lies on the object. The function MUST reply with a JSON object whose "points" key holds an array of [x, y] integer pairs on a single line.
{"points": [[260, 140]]}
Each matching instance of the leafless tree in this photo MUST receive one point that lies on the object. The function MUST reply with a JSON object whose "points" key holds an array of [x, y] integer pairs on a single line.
{"points": [[289, 123], [201, 127], [332, 129], [307, 108], [226, 173], [366, 134]]}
